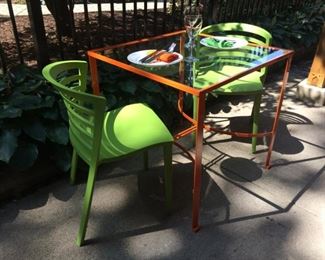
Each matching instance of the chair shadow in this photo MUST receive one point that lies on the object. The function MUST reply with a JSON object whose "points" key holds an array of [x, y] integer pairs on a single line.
{"points": [[151, 193], [285, 143], [214, 202]]}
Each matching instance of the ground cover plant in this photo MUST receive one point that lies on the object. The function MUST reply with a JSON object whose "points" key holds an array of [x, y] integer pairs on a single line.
{"points": [[33, 120]]}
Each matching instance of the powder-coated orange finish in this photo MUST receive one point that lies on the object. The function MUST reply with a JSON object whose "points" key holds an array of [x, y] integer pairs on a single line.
{"points": [[273, 55]]}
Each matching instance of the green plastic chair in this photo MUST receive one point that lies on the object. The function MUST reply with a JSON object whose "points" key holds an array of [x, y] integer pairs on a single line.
{"points": [[98, 137], [252, 84]]}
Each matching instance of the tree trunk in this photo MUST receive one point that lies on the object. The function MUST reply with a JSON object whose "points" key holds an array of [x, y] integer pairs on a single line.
{"points": [[61, 13]]}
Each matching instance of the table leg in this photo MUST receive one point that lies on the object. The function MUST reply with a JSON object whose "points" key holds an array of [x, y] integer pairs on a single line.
{"points": [[278, 110], [198, 162], [182, 63], [94, 75]]}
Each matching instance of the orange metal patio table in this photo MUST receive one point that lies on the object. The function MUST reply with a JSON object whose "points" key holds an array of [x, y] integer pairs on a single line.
{"points": [[182, 77]]}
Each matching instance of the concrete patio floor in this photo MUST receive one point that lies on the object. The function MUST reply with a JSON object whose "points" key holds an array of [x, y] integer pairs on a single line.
{"points": [[246, 212]]}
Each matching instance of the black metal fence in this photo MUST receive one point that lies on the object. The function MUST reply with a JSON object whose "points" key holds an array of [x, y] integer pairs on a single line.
{"points": [[71, 27]]}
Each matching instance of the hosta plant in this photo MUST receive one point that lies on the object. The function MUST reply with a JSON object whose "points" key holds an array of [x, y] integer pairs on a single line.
{"points": [[33, 121], [122, 88]]}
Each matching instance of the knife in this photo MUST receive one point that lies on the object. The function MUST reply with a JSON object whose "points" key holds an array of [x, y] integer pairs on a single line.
{"points": [[146, 58], [155, 56]]}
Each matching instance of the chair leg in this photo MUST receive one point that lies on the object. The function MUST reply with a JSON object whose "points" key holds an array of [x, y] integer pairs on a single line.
{"points": [[168, 175], [74, 163], [86, 204], [145, 160], [256, 113]]}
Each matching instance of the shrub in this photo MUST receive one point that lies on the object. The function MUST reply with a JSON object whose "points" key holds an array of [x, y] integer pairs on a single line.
{"points": [[293, 28]]}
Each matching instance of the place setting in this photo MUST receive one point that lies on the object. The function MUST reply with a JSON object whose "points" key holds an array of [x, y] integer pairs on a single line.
{"points": [[156, 57], [221, 42]]}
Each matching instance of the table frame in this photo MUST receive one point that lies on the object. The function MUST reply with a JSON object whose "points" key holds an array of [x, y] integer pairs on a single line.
{"points": [[197, 123]]}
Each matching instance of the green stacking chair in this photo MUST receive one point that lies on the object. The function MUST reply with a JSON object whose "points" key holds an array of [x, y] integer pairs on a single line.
{"points": [[252, 84], [98, 136]]}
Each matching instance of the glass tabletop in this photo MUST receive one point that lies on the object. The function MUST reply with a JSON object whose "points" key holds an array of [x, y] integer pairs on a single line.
{"points": [[215, 67]]}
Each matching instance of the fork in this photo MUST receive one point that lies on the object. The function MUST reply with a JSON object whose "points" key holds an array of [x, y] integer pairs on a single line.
{"points": [[159, 53]]}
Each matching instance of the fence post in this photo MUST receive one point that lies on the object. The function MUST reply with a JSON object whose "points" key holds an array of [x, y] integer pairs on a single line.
{"points": [[3, 63], [38, 32]]}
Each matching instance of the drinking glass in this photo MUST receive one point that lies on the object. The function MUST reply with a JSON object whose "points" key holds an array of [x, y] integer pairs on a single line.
{"points": [[193, 25]]}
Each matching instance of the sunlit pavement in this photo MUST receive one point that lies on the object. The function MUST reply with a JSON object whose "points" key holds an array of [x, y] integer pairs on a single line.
{"points": [[247, 212]]}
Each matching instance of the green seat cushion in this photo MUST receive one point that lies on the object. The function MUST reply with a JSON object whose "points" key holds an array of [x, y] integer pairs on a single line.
{"points": [[130, 129], [249, 83]]}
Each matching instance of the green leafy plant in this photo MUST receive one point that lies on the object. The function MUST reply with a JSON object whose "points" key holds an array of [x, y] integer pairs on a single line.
{"points": [[293, 28], [32, 120]]}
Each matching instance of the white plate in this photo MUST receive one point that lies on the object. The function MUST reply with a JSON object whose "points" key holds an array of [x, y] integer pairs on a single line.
{"points": [[135, 58], [219, 42]]}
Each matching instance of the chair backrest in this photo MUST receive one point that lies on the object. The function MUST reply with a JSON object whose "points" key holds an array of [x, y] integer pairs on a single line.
{"points": [[85, 111], [249, 32]]}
